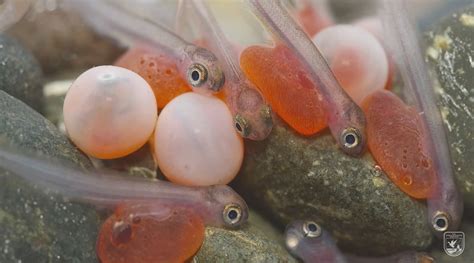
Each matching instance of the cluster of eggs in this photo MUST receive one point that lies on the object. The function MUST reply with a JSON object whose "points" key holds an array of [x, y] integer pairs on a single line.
{"points": [[111, 111]]}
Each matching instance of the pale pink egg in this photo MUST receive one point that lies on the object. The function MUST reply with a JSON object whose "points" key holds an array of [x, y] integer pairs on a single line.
{"points": [[357, 59], [196, 143], [109, 112], [374, 26]]}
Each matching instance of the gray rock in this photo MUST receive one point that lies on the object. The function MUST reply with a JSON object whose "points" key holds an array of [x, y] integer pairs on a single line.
{"points": [[451, 54], [291, 177], [257, 241], [63, 42], [35, 226], [20, 73]]}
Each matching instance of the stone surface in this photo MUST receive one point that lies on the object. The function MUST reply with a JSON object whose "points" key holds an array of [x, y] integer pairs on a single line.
{"points": [[20, 73], [451, 54], [291, 177], [257, 241], [63, 42], [34, 226]]}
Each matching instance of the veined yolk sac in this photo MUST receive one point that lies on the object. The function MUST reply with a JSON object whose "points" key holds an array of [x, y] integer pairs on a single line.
{"points": [[147, 233], [396, 139], [356, 57], [286, 85], [158, 69]]}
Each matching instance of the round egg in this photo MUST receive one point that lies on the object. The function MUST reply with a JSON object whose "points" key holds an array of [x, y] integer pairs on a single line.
{"points": [[109, 112], [196, 143], [356, 57]]}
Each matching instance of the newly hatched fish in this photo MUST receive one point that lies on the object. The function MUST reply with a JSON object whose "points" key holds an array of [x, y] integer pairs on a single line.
{"points": [[445, 205], [158, 69], [143, 233], [311, 243], [197, 65], [345, 119], [252, 115], [217, 205]]}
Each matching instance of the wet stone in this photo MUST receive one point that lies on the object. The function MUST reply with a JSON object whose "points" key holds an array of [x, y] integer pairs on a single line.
{"points": [[450, 53], [20, 73], [256, 241], [62, 41], [291, 177], [36, 226]]}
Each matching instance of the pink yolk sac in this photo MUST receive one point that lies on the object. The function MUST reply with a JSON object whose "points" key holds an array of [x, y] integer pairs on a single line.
{"points": [[109, 112], [357, 59], [195, 141]]}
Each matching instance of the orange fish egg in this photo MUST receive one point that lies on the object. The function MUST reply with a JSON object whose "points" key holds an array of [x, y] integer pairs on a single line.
{"points": [[109, 112], [158, 69], [396, 139], [147, 233], [285, 84]]}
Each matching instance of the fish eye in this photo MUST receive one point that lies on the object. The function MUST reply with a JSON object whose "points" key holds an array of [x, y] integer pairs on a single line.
{"points": [[232, 214], [350, 138], [440, 222], [241, 125], [311, 229], [197, 74]]}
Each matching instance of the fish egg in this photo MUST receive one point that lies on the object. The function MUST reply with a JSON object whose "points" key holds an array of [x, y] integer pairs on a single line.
{"points": [[195, 141], [356, 57], [109, 112]]}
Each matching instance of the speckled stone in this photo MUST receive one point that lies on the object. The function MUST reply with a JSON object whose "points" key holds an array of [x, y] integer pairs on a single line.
{"points": [[291, 177], [257, 241], [34, 226], [63, 42], [451, 53], [20, 73]]}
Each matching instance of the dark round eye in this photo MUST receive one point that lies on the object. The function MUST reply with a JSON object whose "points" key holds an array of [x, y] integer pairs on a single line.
{"points": [[350, 138], [440, 222], [232, 214], [241, 126], [238, 127], [311, 229], [197, 75]]}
